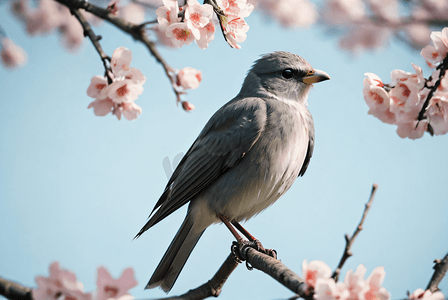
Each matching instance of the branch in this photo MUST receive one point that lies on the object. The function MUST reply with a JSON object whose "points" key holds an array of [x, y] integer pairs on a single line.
{"points": [[213, 287], [95, 41], [277, 270], [440, 268], [14, 291], [136, 31], [349, 241]]}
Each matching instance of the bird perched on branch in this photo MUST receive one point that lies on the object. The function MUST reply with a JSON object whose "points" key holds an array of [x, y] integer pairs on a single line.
{"points": [[248, 155]]}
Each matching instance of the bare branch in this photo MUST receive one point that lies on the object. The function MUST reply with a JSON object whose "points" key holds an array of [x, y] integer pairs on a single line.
{"points": [[14, 291], [95, 41], [349, 240], [277, 270], [441, 267]]}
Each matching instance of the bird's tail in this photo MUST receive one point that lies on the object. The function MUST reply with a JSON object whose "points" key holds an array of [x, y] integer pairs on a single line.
{"points": [[175, 256]]}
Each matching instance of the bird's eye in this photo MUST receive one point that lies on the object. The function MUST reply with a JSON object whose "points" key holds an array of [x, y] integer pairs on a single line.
{"points": [[288, 73]]}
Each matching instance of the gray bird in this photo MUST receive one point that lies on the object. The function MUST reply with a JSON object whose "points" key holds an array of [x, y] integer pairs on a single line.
{"points": [[248, 155]]}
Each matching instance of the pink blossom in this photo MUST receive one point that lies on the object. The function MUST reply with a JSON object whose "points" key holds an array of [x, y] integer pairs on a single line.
{"points": [[60, 283], [162, 38], [133, 13], [207, 35], [355, 282], [366, 36], [72, 33], [385, 10], [135, 75], [421, 294], [168, 14], [315, 270], [198, 16], [373, 288], [437, 112], [114, 288], [328, 289], [124, 91], [411, 130], [377, 98], [189, 78], [343, 11], [12, 56], [121, 61], [46, 18], [102, 107], [97, 88], [187, 106], [419, 34], [131, 111], [180, 34], [235, 31], [405, 95], [293, 13], [435, 54]]}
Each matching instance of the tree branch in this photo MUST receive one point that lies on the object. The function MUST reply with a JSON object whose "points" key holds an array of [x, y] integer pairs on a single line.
{"points": [[441, 267], [349, 241], [213, 287], [14, 291], [95, 41]]}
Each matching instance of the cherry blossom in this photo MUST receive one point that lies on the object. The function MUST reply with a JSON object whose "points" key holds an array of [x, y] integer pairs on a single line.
{"points": [[233, 24], [426, 295], [198, 16], [12, 56], [435, 54], [437, 113], [114, 288], [60, 283], [121, 61], [343, 11], [126, 85], [187, 106], [328, 289], [102, 107], [189, 78], [405, 95], [180, 34], [168, 14], [373, 288], [133, 13], [365, 36], [315, 270], [377, 98], [355, 282]]}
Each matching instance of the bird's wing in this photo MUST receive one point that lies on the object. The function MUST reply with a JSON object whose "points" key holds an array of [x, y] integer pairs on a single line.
{"points": [[225, 139], [309, 151]]}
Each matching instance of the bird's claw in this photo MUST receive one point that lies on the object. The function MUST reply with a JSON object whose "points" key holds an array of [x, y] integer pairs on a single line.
{"points": [[239, 250]]}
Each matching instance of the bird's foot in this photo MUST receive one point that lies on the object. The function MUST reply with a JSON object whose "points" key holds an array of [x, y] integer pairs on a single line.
{"points": [[239, 250]]}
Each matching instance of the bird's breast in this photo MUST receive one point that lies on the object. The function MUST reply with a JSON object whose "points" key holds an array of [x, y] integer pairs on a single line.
{"points": [[268, 170]]}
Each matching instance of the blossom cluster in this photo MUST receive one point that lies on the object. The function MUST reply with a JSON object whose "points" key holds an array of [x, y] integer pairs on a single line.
{"points": [[117, 93], [194, 22], [62, 284], [401, 102], [50, 16], [317, 279], [12, 56]]}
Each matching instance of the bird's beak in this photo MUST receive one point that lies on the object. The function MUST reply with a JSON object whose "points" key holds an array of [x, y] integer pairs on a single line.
{"points": [[314, 76]]}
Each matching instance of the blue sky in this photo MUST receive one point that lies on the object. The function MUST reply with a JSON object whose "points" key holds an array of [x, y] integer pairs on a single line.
{"points": [[76, 188]]}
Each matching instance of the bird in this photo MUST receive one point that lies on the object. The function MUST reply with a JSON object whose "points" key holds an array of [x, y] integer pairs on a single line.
{"points": [[247, 156]]}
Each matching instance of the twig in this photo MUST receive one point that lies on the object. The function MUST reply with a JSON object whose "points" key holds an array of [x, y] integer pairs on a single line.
{"points": [[14, 291], [95, 41], [136, 31], [349, 240], [213, 287], [441, 267]]}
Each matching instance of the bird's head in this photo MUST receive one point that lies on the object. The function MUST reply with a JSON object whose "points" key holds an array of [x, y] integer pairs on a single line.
{"points": [[282, 75]]}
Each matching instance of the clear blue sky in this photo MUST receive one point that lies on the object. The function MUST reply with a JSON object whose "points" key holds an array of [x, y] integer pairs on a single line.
{"points": [[76, 188]]}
